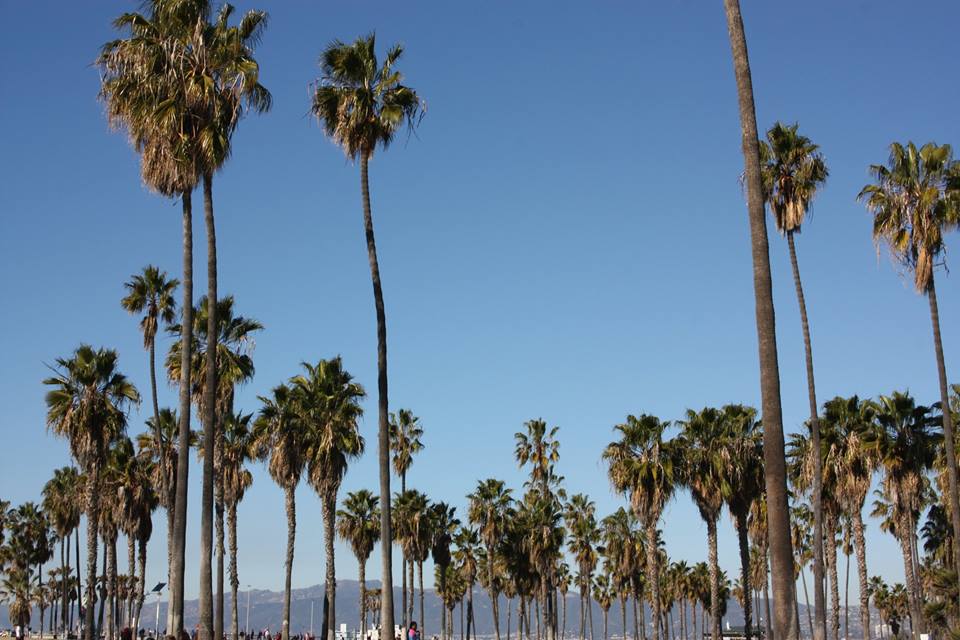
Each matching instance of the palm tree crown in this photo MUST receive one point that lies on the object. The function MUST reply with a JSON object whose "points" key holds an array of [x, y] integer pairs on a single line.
{"points": [[792, 169]]}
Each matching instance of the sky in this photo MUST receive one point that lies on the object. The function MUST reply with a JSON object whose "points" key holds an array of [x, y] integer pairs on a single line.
{"points": [[564, 238]]}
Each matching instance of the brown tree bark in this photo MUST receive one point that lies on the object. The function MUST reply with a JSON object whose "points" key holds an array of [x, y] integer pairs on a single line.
{"points": [[778, 518]]}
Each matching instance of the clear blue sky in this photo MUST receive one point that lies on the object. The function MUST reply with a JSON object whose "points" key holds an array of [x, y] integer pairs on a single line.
{"points": [[565, 238]]}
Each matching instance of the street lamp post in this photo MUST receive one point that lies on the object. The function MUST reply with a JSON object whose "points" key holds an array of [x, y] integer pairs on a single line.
{"points": [[247, 625], [157, 590]]}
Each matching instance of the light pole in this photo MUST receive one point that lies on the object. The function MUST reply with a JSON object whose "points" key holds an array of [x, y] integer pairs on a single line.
{"points": [[157, 590], [247, 625]]}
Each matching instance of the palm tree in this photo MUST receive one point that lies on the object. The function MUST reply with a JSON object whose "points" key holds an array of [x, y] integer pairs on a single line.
{"points": [[490, 506], [603, 594], [855, 463], [280, 439], [138, 500], [743, 484], [444, 527], [563, 587], [915, 202], [405, 434], [904, 441], [641, 465], [358, 524], [61, 503], [238, 447], [87, 404], [702, 474], [466, 555], [327, 402], [619, 554], [792, 170], [159, 445], [361, 105], [584, 538], [152, 293], [413, 533], [774, 461]]}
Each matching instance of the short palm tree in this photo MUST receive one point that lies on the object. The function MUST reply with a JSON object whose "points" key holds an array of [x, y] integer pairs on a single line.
{"points": [[466, 554], [915, 202], [793, 169], [87, 404], [702, 474], [775, 471], [603, 594], [280, 439], [490, 506], [742, 484], [641, 465], [904, 441], [358, 524], [405, 443], [361, 105], [582, 542], [152, 294], [62, 504], [327, 402], [159, 445], [138, 499], [443, 527], [238, 447]]}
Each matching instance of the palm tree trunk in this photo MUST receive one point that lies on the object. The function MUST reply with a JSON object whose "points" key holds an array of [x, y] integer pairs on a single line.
{"points": [[234, 571], [766, 596], [494, 600], [830, 544], [218, 612], [141, 584], [778, 517], [693, 618], [744, 542], [410, 600], [653, 573], [423, 620], [605, 611], [583, 612], [329, 508], [170, 552], [916, 618], [713, 563], [363, 600], [93, 517], [291, 504], [470, 628], [948, 435], [636, 622], [110, 574], [209, 420], [563, 605], [403, 588], [623, 616], [383, 434], [509, 611], [132, 570], [590, 610], [817, 543], [76, 547], [846, 601], [64, 574], [175, 617]]}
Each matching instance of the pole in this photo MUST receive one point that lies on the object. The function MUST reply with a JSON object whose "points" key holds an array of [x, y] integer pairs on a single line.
{"points": [[247, 625], [156, 626], [311, 617]]}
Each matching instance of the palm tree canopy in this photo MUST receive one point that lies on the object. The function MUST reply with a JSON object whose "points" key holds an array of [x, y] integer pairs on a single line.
{"points": [[703, 461], [540, 448], [641, 464], [152, 294], [791, 169], [490, 507], [359, 103], [915, 201], [88, 402], [238, 447], [327, 402], [280, 437], [358, 522], [62, 500], [405, 434]]}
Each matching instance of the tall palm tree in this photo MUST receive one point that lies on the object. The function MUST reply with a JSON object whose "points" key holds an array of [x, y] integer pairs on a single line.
{"points": [[87, 404], [743, 484], [239, 446], [702, 473], [144, 85], [915, 202], [774, 461], [405, 434], [280, 439], [152, 294], [904, 441], [792, 170], [361, 105], [327, 402], [641, 465], [62, 504], [358, 524], [490, 506]]}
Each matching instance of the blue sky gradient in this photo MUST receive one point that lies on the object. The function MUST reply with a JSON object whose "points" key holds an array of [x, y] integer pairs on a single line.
{"points": [[564, 238]]}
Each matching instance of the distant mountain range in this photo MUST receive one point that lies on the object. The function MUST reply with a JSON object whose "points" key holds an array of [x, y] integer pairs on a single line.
{"points": [[266, 609]]}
